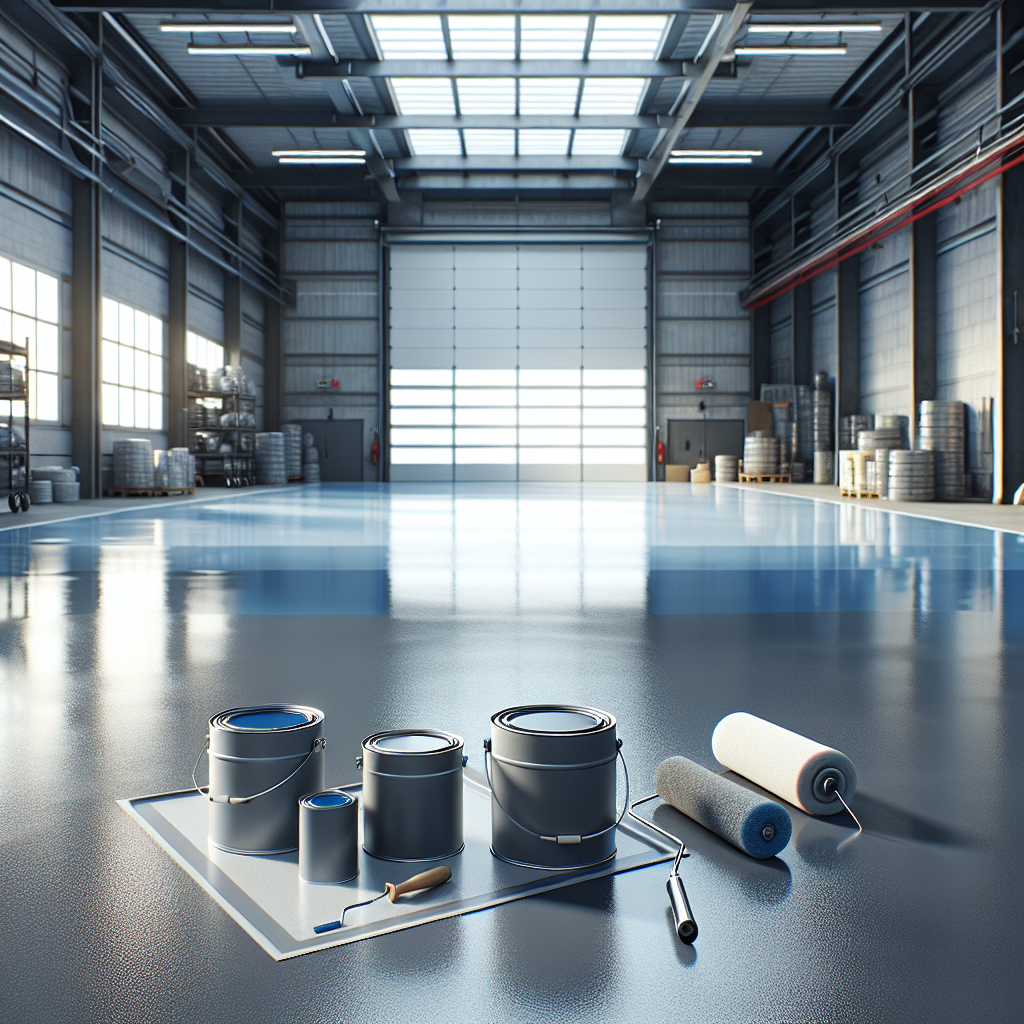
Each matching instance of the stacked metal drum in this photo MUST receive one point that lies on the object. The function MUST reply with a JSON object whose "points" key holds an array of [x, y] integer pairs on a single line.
{"points": [[133, 463], [727, 467], [941, 430], [760, 453], [850, 427], [821, 430], [292, 449], [911, 475], [270, 458], [310, 461]]}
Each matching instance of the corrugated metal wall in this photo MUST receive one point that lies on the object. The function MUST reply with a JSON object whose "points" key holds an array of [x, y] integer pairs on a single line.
{"points": [[968, 245], [332, 255], [254, 314], [702, 263], [780, 338], [885, 290], [824, 330]]}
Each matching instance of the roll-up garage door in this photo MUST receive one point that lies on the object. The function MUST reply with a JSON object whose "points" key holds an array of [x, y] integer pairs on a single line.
{"points": [[518, 362]]}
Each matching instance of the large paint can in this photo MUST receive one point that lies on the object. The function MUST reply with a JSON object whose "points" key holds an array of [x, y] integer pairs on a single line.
{"points": [[328, 836], [263, 760], [412, 794], [552, 776]]}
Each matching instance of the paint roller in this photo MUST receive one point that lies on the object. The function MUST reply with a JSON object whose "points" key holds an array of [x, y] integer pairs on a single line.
{"points": [[813, 777]]}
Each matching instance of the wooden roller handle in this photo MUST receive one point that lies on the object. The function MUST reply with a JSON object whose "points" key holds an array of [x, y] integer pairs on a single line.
{"points": [[424, 880]]}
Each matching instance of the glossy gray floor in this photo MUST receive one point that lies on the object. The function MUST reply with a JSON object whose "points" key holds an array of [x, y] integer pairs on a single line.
{"points": [[898, 640]]}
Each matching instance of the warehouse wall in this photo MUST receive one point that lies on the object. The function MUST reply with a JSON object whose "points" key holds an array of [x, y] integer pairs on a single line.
{"points": [[332, 258], [702, 263]]}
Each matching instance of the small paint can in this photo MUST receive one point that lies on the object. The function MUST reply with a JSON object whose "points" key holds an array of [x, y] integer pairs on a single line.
{"points": [[263, 760], [328, 836], [412, 794], [552, 775]]}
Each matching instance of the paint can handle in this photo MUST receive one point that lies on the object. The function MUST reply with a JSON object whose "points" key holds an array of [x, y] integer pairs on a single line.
{"points": [[320, 743]]}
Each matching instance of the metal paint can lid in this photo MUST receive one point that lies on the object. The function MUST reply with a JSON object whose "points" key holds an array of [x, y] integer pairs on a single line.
{"points": [[266, 730], [264, 719], [329, 798], [412, 752], [553, 734], [553, 719]]}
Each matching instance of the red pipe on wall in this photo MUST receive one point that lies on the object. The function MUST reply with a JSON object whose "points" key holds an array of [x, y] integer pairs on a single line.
{"points": [[1009, 155]]}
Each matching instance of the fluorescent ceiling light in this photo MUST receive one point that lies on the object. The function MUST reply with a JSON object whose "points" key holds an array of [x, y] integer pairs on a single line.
{"points": [[817, 26], [598, 142], [251, 51], [435, 142], [790, 51], [228, 26], [482, 36], [319, 152], [424, 95], [556, 37], [710, 160], [543, 140], [321, 160], [486, 95], [409, 36], [489, 141], [611, 95], [718, 152], [618, 37], [548, 95]]}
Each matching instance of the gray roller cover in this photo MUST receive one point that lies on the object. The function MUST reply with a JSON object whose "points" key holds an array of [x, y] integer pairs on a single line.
{"points": [[755, 825]]}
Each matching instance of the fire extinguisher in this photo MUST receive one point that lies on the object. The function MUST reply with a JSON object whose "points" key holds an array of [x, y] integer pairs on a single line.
{"points": [[660, 446], [375, 448]]}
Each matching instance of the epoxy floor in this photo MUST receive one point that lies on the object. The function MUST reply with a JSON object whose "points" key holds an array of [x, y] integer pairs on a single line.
{"points": [[898, 640]]}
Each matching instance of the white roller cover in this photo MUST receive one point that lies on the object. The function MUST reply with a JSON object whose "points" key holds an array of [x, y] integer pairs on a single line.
{"points": [[783, 762]]}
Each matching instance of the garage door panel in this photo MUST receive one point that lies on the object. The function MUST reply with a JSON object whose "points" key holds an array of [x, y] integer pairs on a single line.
{"points": [[518, 324]]}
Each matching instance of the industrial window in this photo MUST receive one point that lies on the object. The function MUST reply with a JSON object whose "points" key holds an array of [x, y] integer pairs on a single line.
{"points": [[201, 352], [30, 316], [133, 367]]}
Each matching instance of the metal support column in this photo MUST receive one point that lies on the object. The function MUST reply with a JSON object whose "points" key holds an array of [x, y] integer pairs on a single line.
{"points": [[177, 308], [273, 353], [86, 297], [233, 292], [847, 310]]}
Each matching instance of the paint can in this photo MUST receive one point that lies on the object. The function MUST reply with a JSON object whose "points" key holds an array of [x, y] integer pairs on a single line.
{"points": [[328, 836], [552, 776], [412, 794], [262, 761]]}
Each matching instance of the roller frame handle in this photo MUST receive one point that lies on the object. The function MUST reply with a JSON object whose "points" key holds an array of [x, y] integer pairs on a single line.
{"points": [[686, 926], [424, 880]]}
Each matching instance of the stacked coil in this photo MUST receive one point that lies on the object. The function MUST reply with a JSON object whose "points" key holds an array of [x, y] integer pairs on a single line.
{"points": [[310, 461], [293, 449], [941, 430], [40, 492], [880, 437], [727, 467], [180, 471], [911, 475], [133, 463], [824, 467], [271, 467], [64, 481], [821, 421], [760, 453], [850, 427]]}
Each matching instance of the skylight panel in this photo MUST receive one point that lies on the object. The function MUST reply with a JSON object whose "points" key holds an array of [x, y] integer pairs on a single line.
{"points": [[487, 95], [490, 141], [424, 95], [590, 141], [404, 36], [618, 36], [611, 95], [435, 142], [482, 37], [548, 95], [558, 37], [543, 140]]}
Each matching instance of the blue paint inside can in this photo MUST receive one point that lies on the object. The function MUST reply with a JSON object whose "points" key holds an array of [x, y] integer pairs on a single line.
{"points": [[267, 721], [328, 800]]}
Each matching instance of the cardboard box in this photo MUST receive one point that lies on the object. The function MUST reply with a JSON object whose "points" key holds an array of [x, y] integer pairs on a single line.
{"points": [[759, 417], [677, 474], [701, 475]]}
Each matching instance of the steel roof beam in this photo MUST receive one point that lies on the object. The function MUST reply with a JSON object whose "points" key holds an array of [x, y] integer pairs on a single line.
{"points": [[709, 114], [319, 70], [262, 7]]}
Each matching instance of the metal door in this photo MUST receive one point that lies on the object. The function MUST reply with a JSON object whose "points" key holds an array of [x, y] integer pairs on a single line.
{"points": [[341, 449], [686, 440]]}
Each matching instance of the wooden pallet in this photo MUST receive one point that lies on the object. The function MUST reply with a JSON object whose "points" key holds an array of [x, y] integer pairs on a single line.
{"points": [[295, 479], [765, 478], [148, 492], [846, 493]]}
